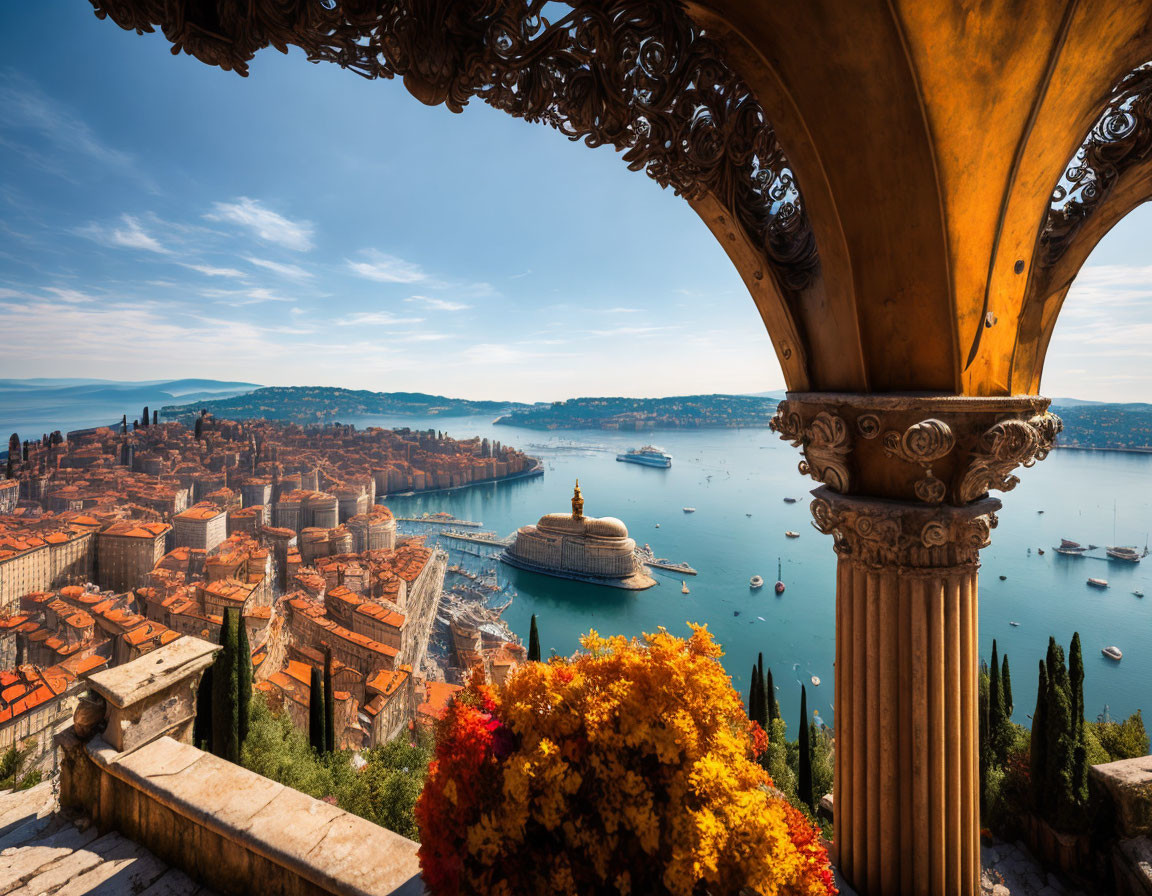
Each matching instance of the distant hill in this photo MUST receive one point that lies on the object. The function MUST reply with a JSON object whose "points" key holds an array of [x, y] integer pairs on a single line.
{"points": [[311, 404], [1123, 427], [679, 412]]}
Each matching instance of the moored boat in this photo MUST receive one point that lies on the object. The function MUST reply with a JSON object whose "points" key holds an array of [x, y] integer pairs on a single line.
{"points": [[779, 577], [689, 509], [789, 500], [1070, 548], [791, 534], [1098, 583], [683, 587], [756, 582], [1127, 554], [816, 681], [1113, 653]]}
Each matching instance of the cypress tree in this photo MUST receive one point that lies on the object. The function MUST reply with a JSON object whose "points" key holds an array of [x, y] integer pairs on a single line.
{"points": [[754, 701], [155, 417], [145, 418], [1076, 680], [225, 699], [1006, 688], [763, 712], [1039, 753], [770, 691], [533, 642], [202, 724], [999, 734], [244, 681], [329, 704], [13, 444], [1061, 738], [198, 428], [985, 743], [804, 776], [316, 736]]}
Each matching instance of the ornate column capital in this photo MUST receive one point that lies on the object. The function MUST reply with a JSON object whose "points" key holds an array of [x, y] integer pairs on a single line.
{"points": [[896, 534], [924, 449]]}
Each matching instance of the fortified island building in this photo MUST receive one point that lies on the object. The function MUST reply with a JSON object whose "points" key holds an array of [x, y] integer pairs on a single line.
{"points": [[579, 547]]}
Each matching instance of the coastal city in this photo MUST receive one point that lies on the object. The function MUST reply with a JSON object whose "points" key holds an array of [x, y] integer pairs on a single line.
{"points": [[117, 541], [639, 448]]}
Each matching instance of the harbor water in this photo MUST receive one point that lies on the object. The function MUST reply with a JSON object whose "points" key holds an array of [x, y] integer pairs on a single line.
{"points": [[736, 480]]}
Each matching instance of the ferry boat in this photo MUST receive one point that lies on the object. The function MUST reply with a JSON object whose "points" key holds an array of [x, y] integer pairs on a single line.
{"points": [[1098, 583], [1070, 548], [647, 456], [1113, 653], [756, 582], [1129, 555]]}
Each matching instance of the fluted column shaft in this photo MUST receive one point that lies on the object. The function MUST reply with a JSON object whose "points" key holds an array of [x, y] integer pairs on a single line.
{"points": [[907, 814]]}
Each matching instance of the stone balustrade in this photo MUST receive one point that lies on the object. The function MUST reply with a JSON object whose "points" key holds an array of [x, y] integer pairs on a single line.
{"points": [[228, 828]]}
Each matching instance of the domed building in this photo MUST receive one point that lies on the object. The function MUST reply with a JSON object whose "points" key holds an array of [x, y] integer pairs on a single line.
{"points": [[578, 547]]}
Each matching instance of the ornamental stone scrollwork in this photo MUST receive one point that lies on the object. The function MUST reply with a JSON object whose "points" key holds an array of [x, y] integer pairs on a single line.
{"points": [[1120, 138], [824, 441], [886, 534], [922, 443], [1004, 447], [636, 75], [922, 449]]}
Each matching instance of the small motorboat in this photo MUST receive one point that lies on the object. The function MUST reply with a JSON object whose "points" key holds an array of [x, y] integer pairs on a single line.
{"points": [[1003, 578], [657, 525], [689, 509], [1039, 511], [791, 534], [683, 587], [779, 578], [756, 582], [735, 612], [1098, 583], [1040, 551], [747, 514], [1014, 624], [815, 681], [789, 500], [1138, 593], [1113, 653]]}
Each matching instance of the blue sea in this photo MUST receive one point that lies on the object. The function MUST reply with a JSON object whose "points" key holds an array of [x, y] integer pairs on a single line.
{"points": [[737, 480]]}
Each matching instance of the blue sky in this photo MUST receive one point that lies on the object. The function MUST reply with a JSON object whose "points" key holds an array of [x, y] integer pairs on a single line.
{"points": [[160, 218]]}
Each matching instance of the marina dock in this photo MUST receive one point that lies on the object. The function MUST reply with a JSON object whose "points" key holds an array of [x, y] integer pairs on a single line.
{"points": [[439, 521], [488, 538]]}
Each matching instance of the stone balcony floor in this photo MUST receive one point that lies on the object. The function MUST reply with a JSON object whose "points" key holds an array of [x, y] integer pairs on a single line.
{"points": [[42, 853]]}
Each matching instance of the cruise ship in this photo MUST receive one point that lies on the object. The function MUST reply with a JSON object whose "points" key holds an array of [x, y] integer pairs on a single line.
{"points": [[648, 456]]}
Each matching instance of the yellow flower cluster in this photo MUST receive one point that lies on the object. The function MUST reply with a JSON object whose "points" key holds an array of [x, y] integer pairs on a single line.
{"points": [[631, 773]]}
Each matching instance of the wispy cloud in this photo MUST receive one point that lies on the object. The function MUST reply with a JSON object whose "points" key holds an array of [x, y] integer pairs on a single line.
{"points": [[292, 271], [128, 234], [266, 224], [375, 319], [621, 310], [24, 107], [212, 271], [518, 276], [385, 268], [438, 304]]}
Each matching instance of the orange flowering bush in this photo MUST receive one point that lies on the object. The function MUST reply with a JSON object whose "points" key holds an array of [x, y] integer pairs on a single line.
{"points": [[626, 769]]}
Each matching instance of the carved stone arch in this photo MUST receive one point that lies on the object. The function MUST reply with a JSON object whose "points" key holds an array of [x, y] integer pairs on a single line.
{"points": [[1109, 175]]}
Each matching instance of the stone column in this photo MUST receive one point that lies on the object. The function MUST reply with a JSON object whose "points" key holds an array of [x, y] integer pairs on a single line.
{"points": [[905, 497]]}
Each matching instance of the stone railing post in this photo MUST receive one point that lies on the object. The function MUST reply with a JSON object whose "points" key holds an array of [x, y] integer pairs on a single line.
{"points": [[905, 497], [154, 695]]}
